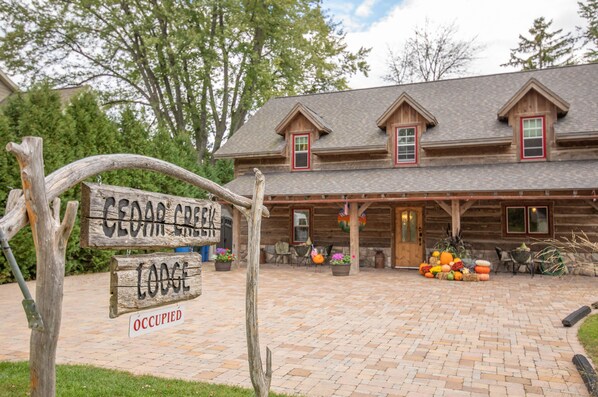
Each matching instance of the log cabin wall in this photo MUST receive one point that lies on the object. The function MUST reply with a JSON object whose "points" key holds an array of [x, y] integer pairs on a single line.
{"points": [[482, 224]]}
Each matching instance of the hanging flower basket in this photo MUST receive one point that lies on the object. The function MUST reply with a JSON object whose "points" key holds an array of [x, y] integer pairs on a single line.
{"points": [[344, 219]]}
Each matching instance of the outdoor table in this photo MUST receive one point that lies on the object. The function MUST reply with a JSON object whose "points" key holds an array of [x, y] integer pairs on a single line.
{"points": [[525, 258]]}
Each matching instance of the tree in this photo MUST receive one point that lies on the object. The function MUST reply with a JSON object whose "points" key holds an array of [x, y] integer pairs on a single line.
{"points": [[200, 66], [429, 56], [589, 11], [544, 49]]}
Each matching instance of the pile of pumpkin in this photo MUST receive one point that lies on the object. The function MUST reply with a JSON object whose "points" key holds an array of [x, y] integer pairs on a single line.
{"points": [[445, 266]]}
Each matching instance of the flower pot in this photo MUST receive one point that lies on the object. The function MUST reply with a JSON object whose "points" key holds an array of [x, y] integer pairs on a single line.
{"points": [[222, 266], [341, 270]]}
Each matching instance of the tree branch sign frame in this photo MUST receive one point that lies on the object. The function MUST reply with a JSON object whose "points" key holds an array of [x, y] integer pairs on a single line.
{"points": [[118, 217]]}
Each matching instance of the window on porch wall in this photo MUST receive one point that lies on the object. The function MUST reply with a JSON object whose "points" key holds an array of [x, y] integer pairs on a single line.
{"points": [[409, 227], [301, 226], [528, 220], [533, 138]]}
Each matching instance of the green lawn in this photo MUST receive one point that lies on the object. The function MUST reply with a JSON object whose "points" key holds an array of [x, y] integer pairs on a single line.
{"points": [[588, 336], [81, 380]]}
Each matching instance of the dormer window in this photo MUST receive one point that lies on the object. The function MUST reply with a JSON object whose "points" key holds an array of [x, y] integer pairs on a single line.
{"points": [[301, 151], [406, 150], [533, 138]]}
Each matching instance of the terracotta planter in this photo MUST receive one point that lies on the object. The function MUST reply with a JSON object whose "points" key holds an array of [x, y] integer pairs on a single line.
{"points": [[222, 266], [341, 270]]}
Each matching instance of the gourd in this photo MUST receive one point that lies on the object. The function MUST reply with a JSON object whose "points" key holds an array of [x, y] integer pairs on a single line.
{"points": [[446, 258], [421, 265], [318, 259], [484, 277], [446, 268], [436, 269], [482, 270], [450, 276], [429, 275], [458, 276], [435, 254]]}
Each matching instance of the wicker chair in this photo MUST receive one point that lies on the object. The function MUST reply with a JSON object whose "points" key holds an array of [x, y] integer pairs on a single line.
{"points": [[282, 251], [504, 259]]}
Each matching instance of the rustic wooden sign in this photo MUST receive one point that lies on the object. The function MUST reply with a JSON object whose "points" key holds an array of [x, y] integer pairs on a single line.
{"points": [[118, 217], [140, 282]]}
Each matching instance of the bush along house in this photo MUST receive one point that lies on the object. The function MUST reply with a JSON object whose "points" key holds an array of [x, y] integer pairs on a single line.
{"points": [[503, 160]]}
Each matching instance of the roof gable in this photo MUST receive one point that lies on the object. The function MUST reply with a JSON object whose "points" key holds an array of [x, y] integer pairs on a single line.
{"points": [[533, 84], [312, 116], [405, 98]]}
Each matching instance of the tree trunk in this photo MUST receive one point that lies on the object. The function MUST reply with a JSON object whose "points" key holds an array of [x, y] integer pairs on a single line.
{"points": [[50, 238]]}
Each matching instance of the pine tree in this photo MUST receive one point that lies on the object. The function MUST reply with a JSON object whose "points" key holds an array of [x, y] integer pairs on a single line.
{"points": [[589, 12], [544, 49]]}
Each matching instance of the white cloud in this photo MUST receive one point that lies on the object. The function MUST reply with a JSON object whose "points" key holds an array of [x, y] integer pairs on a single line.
{"points": [[365, 9], [497, 25]]}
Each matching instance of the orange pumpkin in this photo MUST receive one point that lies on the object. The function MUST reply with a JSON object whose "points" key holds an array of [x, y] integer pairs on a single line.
{"points": [[482, 270], [422, 265], [483, 277], [446, 268], [446, 258], [429, 275], [318, 259], [458, 276]]}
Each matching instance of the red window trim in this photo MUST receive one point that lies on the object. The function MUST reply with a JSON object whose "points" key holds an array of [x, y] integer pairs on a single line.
{"points": [[293, 136], [543, 138], [396, 144], [505, 220], [309, 217]]}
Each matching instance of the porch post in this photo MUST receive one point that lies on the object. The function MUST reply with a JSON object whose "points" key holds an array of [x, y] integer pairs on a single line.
{"points": [[236, 235], [455, 217], [354, 237]]}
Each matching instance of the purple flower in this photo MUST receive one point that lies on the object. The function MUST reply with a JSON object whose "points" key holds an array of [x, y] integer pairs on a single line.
{"points": [[220, 251], [337, 257]]}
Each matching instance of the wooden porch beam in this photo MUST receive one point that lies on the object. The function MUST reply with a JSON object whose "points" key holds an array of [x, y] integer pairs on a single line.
{"points": [[364, 207], [592, 204], [455, 217], [467, 205], [354, 237], [236, 235], [444, 206]]}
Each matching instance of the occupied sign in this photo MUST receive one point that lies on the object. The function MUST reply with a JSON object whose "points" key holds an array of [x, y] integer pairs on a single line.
{"points": [[150, 321], [118, 217]]}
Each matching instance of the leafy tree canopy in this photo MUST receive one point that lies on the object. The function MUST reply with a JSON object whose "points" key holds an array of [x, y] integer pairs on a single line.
{"points": [[199, 66], [589, 33]]}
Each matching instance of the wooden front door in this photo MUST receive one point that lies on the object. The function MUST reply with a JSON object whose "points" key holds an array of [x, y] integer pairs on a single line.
{"points": [[409, 236]]}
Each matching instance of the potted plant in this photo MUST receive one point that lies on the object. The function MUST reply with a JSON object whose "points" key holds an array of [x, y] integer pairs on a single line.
{"points": [[223, 259], [340, 264]]}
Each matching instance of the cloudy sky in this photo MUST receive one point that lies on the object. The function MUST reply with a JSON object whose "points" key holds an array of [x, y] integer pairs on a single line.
{"points": [[381, 24]]}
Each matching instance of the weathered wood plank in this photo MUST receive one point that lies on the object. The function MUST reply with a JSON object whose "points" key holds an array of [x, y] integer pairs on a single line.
{"points": [[117, 217], [143, 281]]}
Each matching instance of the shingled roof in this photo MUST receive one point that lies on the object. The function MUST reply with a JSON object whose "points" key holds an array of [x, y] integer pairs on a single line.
{"points": [[508, 177], [465, 109]]}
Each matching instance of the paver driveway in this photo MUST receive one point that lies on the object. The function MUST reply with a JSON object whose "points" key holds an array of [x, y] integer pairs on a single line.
{"points": [[381, 333]]}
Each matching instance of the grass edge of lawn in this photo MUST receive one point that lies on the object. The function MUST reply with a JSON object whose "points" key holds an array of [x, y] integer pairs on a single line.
{"points": [[74, 380], [587, 334]]}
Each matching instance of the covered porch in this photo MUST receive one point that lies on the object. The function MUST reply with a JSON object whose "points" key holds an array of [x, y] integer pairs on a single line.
{"points": [[408, 210]]}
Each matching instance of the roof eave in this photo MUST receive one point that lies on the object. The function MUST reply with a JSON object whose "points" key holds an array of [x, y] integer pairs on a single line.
{"points": [[252, 155], [467, 143], [350, 150], [577, 136]]}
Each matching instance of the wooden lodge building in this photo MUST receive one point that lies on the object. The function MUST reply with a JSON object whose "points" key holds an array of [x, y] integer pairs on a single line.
{"points": [[505, 159]]}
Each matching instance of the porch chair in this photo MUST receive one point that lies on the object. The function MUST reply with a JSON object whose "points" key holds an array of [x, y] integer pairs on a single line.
{"points": [[302, 253], [504, 259], [282, 251]]}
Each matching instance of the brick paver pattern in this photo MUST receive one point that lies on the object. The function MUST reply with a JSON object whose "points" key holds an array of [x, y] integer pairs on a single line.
{"points": [[379, 333]]}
